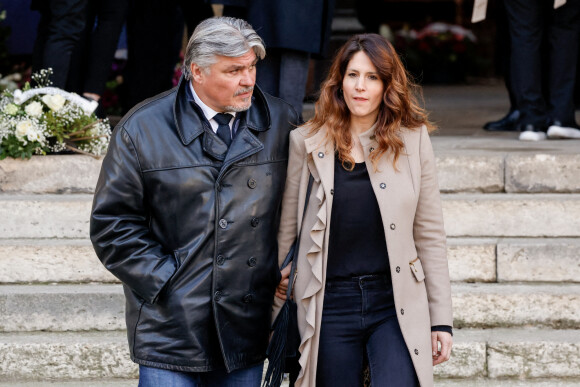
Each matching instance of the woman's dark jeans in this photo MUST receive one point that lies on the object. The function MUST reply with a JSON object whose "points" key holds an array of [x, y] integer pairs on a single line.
{"points": [[359, 317]]}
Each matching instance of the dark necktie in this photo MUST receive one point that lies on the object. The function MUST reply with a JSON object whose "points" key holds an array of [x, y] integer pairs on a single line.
{"points": [[223, 130]]}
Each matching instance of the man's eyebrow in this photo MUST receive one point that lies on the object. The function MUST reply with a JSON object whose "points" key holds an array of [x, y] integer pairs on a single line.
{"points": [[238, 67]]}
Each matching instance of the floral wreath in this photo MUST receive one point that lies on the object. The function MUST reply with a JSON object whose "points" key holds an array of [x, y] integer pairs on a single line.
{"points": [[42, 119]]}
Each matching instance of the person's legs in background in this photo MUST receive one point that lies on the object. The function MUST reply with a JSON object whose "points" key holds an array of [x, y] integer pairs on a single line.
{"points": [[503, 51], [60, 29], [293, 77], [526, 25], [564, 34], [268, 72], [154, 32]]}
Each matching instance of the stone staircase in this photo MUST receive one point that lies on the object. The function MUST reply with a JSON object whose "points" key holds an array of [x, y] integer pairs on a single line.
{"points": [[512, 216]]}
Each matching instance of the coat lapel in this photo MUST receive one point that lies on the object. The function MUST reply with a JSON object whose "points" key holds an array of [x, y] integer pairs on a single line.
{"points": [[321, 163], [244, 144]]}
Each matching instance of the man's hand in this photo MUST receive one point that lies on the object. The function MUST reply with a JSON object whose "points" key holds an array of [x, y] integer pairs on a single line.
{"points": [[283, 285], [442, 354]]}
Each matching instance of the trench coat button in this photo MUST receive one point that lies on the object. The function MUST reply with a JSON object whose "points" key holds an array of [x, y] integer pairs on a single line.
{"points": [[220, 260], [320, 154], [248, 298], [223, 223], [402, 311], [398, 269], [371, 149], [252, 183], [416, 351], [392, 226], [332, 191], [383, 185], [252, 261], [217, 295], [254, 222]]}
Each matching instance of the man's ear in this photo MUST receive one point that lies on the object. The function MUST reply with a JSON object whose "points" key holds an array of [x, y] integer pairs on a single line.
{"points": [[197, 73]]}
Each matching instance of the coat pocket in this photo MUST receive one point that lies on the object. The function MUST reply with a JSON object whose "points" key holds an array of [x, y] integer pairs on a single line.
{"points": [[417, 269]]}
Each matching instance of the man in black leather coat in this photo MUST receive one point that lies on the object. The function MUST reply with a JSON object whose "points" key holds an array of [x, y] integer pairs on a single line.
{"points": [[188, 223]]}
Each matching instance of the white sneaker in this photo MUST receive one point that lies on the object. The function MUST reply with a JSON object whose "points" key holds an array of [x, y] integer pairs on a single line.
{"points": [[532, 134], [557, 131]]}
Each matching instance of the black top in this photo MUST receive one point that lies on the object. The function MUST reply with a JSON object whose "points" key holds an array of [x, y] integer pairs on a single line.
{"points": [[357, 243]]}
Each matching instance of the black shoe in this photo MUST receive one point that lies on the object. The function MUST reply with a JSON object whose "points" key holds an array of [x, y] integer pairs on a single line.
{"points": [[532, 132], [508, 123]]}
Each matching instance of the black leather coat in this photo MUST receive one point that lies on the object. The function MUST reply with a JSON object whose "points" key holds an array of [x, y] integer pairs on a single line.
{"points": [[190, 228]]}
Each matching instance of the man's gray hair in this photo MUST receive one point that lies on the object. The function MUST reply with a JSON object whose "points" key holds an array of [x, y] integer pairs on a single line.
{"points": [[224, 36]]}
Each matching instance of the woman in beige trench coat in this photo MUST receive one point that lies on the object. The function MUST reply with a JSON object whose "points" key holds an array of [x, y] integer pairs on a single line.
{"points": [[368, 123]]}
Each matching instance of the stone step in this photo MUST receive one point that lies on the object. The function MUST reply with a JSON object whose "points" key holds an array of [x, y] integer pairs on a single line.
{"points": [[530, 354], [484, 164], [438, 383], [50, 174], [464, 165], [45, 216], [524, 353], [101, 307], [465, 215], [512, 215], [80, 383], [504, 383], [510, 305], [61, 308], [62, 356], [470, 260], [49, 261]]}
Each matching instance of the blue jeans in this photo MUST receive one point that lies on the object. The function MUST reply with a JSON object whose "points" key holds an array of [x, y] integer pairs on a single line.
{"points": [[156, 377], [359, 318]]}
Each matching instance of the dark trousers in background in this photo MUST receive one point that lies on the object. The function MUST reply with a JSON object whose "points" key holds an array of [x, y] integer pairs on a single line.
{"points": [[92, 59], [60, 28], [359, 317], [531, 21], [154, 38], [283, 74]]}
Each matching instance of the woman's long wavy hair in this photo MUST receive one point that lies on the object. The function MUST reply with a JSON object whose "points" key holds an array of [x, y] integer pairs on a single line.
{"points": [[399, 107]]}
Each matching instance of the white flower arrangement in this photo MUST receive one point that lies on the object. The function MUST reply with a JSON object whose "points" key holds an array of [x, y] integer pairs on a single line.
{"points": [[45, 119]]}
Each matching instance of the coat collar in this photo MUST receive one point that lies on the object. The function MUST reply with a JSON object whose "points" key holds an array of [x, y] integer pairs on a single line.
{"points": [[190, 122], [320, 152]]}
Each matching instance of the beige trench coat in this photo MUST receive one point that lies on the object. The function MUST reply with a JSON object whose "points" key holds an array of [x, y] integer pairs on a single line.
{"points": [[410, 207]]}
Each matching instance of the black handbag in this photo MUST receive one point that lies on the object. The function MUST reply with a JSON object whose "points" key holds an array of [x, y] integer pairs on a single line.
{"points": [[282, 351]]}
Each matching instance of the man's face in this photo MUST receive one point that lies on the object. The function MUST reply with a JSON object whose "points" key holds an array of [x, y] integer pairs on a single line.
{"points": [[229, 83]]}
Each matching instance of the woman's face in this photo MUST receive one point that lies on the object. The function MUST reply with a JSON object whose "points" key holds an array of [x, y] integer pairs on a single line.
{"points": [[362, 88]]}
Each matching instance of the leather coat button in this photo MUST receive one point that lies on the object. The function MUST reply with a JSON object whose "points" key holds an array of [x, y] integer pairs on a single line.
{"points": [[217, 295], [254, 222], [393, 226], [223, 223], [383, 186], [252, 183], [320, 154], [248, 298], [220, 260], [252, 261], [402, 311], [398, 269], [219, 187]]}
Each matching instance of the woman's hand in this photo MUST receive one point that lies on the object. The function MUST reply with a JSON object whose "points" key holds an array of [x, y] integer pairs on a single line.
{"points": [[442, 354], [283, 285]]}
